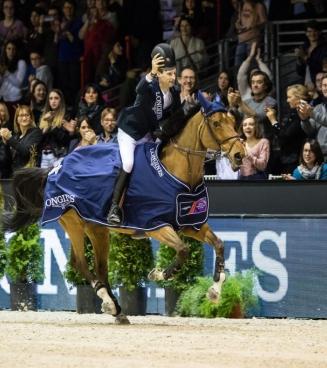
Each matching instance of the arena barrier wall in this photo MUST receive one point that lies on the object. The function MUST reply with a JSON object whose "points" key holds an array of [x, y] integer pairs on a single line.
{"points": [[289, 251]]}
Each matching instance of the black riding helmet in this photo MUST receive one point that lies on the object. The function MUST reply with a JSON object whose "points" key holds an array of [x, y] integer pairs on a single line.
{"points": [[167, 52]]}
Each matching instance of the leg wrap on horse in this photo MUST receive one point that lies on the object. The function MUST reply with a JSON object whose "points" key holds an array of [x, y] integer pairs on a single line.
{"points": [[173, 268], [219, 268], [100, 285], [114, 299]]}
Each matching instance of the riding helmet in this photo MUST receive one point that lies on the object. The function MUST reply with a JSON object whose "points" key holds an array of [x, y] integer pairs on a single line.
{"points": [[167, 52]]}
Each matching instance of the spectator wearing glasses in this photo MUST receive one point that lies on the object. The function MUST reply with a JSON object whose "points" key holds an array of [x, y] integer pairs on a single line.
{"points": [[24, 141], [109, 126]]}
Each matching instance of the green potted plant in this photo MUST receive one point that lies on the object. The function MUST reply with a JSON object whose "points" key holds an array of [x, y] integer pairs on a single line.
{"points": [[237, 299], [130, 261], [24, 267], [86, 299], [3, 255], [191, 269]]}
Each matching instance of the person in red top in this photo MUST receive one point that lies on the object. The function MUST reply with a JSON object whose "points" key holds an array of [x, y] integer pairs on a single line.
{"points": [[92, 32]]}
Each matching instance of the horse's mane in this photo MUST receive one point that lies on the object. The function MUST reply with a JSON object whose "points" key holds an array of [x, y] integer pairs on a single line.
{"points": [[176, 122]]}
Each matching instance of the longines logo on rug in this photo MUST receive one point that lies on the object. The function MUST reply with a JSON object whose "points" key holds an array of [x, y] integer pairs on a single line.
{"points": [[155, 162], [61, 201]]}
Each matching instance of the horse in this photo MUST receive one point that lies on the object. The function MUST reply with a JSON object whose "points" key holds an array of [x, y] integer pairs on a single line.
{"points": [[183, 157]]}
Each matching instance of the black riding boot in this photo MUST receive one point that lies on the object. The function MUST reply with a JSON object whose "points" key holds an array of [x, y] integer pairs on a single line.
{"points": [[115, 214]]}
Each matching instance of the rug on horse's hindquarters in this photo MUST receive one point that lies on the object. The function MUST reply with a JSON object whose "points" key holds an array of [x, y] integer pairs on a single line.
{"points": [[85, 178]]}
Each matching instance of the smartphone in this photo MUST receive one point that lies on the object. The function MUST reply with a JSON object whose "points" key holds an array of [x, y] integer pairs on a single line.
{"points": [[48, 18]]}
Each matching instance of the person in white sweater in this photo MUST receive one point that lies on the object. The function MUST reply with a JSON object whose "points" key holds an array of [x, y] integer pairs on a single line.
{"points": [[12, 74], [189, 50]]}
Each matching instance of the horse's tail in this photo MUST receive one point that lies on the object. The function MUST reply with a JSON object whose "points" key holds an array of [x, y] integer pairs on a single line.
{"points": [[28, 188]]}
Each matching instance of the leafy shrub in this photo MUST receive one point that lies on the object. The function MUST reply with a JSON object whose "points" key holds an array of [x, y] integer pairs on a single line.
{"points": [[130, 261], [191, 269], [25, 256], [237, 290]]}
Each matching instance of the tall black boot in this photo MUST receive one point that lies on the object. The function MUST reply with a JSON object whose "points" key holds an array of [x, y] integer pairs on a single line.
{"points": [[115, 214]]}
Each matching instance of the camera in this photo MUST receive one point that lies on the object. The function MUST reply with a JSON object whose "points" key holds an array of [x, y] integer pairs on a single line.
{"points": [[48, 18]]}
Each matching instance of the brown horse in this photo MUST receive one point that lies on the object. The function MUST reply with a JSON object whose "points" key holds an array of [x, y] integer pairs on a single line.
{"points": [[183, 156]]}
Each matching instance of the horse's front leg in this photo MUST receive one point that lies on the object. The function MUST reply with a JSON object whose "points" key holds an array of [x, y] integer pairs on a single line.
{"points": [[206, 235], [169, 236]]}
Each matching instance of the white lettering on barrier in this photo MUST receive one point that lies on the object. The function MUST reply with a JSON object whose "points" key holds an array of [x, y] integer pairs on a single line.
{"points": [[270, 265], [240, 237], [261, 261], [53, 246]]}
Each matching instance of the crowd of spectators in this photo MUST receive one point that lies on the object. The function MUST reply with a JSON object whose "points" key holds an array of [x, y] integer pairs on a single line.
{"points": [[61, 61]]}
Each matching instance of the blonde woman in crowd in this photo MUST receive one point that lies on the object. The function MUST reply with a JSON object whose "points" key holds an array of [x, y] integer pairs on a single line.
{"points": [[57, 131], [24, 141], [288, 132]]}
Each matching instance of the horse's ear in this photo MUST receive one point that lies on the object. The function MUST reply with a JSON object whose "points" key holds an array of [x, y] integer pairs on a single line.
{"points": [[205, 104], [218, 105]]}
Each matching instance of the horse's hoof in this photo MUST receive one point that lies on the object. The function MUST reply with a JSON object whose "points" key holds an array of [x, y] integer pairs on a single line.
{"points": [[108, 308], [156, 275], [213, 295], [121, 319]]}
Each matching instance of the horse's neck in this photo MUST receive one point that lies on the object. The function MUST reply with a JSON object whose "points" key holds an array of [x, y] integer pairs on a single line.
{"points": [[187, 167]]}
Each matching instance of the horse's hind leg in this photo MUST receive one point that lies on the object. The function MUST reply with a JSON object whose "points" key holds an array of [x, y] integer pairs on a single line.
{"points": [[99, 236], [169, 236], [74, 229], [206, 235]]}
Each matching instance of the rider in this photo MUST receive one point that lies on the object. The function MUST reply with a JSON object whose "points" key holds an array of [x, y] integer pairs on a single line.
{"points": [[157, 98]]}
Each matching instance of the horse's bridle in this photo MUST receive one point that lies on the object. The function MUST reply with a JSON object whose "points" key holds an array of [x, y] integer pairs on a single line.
{"points": [[191, 151]]}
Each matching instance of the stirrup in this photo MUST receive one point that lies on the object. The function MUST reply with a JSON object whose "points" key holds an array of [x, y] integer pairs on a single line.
{"points": [[115, 215]]}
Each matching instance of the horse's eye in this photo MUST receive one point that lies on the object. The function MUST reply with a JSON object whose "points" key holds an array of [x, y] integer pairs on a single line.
{"points": [[216, 124]]}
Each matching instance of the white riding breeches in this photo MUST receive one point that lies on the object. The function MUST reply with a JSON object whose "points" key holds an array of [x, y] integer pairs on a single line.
{"points": [[127, 146]]}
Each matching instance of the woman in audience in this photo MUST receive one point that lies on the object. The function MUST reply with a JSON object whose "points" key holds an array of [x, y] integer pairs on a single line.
{"points": [[86, 135], [224, 81], [310, 55], [11, 29], [91, 105], [288, 131], [189, 50], [112, 67], [57, 131], [5, 155], [12, 75], [25, 140], [38, 99], [257, 151], [312, 166], [253, 15]]}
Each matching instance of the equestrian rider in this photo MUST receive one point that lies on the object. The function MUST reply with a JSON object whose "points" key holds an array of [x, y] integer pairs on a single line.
{"points": [[157, 99]]}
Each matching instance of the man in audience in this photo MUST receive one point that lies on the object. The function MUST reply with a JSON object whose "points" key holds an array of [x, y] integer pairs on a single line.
{"points": [[188, 82], [40, 71]]}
